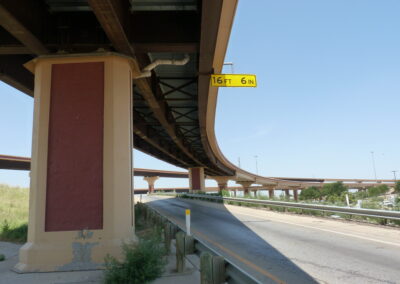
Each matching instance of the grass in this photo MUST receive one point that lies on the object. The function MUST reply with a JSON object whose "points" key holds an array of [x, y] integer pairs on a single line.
{"points": [[14, 202]]}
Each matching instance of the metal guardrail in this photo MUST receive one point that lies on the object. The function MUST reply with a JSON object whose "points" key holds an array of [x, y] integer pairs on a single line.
{"points": [[384, 214], [233, 273]]}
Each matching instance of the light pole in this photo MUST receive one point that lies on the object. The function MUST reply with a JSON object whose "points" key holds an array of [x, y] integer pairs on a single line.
{"points": [[239, 162], [394, 174], [256, 164], [373, 163]]}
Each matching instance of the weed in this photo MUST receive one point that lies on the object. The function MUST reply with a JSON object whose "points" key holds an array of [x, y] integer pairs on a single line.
{"points": [[14, 234], [143, 262]]}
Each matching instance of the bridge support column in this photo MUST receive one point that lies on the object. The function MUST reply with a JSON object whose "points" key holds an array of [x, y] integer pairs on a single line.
{"points": [[287, 194], [222, 182], [271, 193], [151, 181], [295, 194], [196, 179], [270, 188], [245, 184], [81, 191]]}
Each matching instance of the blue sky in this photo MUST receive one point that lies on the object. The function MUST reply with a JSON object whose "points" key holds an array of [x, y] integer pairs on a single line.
{"points": [[328, 93]]}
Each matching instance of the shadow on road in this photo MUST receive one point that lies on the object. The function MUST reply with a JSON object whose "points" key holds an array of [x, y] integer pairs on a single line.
{"points": [[217, 227]]}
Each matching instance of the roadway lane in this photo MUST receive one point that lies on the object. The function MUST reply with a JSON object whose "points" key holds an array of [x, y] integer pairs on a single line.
{"points": [[293, 249]]}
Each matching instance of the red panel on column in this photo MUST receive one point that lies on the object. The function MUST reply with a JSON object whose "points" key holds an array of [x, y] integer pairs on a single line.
{"points": [[74, 199], [196, 178]]}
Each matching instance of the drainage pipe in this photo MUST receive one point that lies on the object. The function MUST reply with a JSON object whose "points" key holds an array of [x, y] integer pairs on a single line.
{"points": [[146, 72]]}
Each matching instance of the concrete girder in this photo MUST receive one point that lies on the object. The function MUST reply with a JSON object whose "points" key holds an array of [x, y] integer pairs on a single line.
{"points": [[111, 17], [18, 25]]}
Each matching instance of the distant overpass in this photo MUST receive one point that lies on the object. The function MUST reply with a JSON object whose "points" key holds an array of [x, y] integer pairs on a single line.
{"points": [[23, 163]]}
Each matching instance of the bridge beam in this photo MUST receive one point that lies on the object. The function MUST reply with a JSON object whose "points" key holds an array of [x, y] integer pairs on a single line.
{"points": [[24, 24], [81, 204]]}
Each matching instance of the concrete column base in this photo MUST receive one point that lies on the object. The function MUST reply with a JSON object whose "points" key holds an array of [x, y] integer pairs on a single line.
{"points": [[81, 254]]}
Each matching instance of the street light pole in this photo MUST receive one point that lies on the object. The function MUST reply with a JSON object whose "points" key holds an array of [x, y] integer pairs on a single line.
{"points": [[256, 164], [373, 163], [394, 174]]}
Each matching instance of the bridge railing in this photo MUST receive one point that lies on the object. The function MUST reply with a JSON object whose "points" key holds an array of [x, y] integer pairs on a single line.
{"points": [[231, 273], [384, 214]]}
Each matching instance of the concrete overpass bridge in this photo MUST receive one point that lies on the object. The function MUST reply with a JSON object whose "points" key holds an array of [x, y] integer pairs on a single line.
{"points": [[107, 76]]}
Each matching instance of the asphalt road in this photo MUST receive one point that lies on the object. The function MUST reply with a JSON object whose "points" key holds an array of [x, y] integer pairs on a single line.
{"points": [[282, 248]]}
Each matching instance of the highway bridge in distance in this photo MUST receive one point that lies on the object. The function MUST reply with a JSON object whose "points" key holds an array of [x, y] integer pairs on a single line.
{"points": [[151, 176], [107, 76]]}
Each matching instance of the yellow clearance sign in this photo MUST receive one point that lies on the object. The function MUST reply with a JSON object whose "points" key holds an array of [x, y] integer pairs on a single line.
{"points": [[233, 80]]}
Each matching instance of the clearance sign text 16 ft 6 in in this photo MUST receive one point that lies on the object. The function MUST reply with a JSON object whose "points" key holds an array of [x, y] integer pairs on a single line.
{"points": [[233, 80]]}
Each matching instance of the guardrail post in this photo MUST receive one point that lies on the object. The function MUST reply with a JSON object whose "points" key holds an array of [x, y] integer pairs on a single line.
{"points": [[180, 251], [189, 244], [212, 269], [168, 234], [206, 268]]}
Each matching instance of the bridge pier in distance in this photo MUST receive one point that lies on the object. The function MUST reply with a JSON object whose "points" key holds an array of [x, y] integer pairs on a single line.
{"points": [[271, 193], [222, 182], [81, 191], [151, 181], [196, 179], [245, 184], [287, 194], [271, 190], [296, 194]]}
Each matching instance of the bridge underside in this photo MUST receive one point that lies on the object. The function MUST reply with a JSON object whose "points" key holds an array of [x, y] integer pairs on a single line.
{"points": [[168, 105], [83, 61]]}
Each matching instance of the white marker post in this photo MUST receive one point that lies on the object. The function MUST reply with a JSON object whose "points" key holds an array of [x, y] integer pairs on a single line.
{"points": [[347, 200], [188, 222]]}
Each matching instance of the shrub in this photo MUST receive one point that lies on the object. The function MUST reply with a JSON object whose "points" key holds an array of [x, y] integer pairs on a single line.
{"points": [[377, 190], [397, 187], [310, 193], [336, 188], [14, 234], [2, 257], [361, 194], [143, 263]]}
